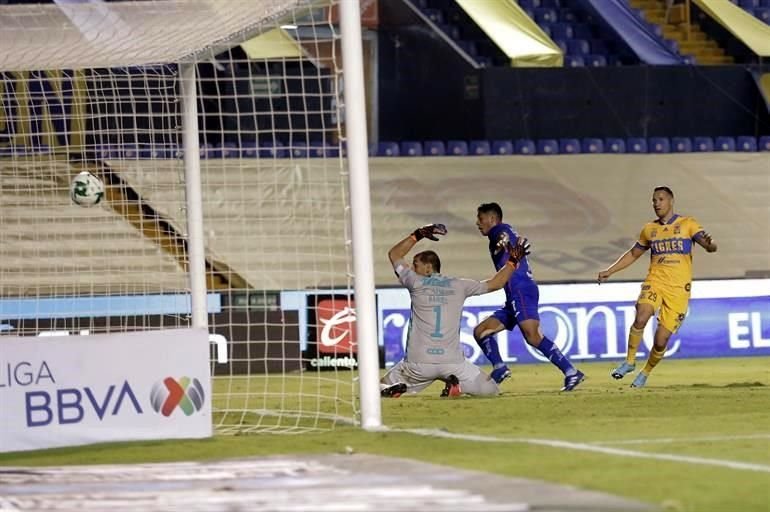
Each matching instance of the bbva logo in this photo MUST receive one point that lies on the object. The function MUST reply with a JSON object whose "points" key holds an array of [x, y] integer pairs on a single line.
{"points": [[185, 393]]}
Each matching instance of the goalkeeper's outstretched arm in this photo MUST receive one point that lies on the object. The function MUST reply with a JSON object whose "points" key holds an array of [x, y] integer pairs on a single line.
{"points": [[403, 247]]}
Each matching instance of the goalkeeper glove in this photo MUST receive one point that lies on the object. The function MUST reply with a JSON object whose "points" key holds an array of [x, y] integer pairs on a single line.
{"points": [[517, 252], [429, 231]]}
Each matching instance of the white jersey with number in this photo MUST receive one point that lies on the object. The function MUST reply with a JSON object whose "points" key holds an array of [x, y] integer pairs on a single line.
{"points": [[437, 306]]}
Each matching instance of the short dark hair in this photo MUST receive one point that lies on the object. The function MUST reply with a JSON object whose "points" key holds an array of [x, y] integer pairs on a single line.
{"points": [[664, 189], [430, 257], [491, 208]]}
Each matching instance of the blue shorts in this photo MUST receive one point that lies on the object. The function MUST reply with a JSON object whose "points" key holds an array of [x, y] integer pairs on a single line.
{"points": [[523, 306]]}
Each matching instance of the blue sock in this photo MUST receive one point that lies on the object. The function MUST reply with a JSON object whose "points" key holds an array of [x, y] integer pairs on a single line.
{"points": [[553, 353], [491, 351]]}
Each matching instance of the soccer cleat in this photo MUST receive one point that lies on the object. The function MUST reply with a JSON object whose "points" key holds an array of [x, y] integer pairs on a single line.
{"points": [[572, 381], [622, 370], [640, 380], [452, 388], [394, 391], [500, 374]]}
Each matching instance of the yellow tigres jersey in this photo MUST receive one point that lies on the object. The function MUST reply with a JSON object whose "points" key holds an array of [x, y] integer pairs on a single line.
{"points": [[671, 249]]}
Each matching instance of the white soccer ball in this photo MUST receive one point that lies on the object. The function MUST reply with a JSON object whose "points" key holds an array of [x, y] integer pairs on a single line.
{"points": [[86, 189]]}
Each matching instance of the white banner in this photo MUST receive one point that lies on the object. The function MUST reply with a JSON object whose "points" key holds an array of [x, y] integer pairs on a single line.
{"points": [[74, 390]]}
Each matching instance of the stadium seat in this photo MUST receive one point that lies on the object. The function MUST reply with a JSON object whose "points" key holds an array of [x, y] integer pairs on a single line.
{"points": [[502, 147], [614, 145], [595, 61], [553, 4], [746, 143], [547, 147], [578, 47], [411, 148], [593, 145], [703, 144], [574, 61], [204, 151], [525, 147], [599, 47], [562, 30], [764, 143], [568, 15], [321, 149], [529, 4], [298, 149], [681, 145], [457, 147], [479, 147], [724, 144], [748, 4], [434, 15], [545, 15], [659, 145], [434, 148], [582, 31], [636, 145], [249, 149], [388, 149], [569, 146]]}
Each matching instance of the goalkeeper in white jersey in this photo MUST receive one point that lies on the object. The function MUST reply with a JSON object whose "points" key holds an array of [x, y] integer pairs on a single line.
{"points": [[433, 350]]}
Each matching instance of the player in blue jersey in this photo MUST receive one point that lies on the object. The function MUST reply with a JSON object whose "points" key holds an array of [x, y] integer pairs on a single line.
{"points": [[521, 303]]}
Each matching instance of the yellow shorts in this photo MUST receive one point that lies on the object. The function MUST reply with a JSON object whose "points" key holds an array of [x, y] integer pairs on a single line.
{"points": [[672, 303]]}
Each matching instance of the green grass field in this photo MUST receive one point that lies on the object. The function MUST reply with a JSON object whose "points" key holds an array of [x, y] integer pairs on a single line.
{"points": [[698, 415]]}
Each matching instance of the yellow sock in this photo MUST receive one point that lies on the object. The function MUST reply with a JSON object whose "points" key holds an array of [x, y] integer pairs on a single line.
{"points": [[656, 355], [634, 339]]}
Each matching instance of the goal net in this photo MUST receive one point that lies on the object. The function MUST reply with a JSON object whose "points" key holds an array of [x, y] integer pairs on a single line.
{"points": [[97, 87]]}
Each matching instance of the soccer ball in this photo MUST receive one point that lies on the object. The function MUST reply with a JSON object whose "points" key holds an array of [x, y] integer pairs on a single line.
{"points": [[86, 189]]}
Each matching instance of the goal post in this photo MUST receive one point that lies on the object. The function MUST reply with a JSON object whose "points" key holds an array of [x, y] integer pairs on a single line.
{"points": [[237, 193]]}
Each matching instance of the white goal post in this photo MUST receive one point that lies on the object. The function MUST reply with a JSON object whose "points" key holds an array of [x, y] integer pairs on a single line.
{"points": [[237, 193]]}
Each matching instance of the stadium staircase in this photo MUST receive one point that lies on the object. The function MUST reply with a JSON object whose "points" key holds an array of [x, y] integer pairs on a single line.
{"points": [[699, 45]]}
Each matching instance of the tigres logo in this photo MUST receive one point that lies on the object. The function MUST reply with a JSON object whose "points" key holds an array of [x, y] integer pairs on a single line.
{"points": [[677, 229]]}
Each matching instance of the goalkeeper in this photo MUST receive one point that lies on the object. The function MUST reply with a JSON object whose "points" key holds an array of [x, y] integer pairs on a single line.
{"points": [[433, 349]]}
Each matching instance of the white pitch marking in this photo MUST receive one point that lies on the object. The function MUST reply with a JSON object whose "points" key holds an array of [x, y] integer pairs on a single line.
{"points": [[661, 440], [553, 443]]}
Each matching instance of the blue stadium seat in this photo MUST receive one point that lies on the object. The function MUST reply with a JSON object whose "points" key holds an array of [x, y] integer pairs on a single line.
{"points": [[434, 148], [434, 15], [636, 145], [574, 61], [659, 145], [321, 149], [525, 147], [452, 31], [249, 150], [562, 31], [411, 148], [205, 151], [502, 147], [569, 146], [614, 145], [388, 149], [748, 4], [764, 143], [596, 61], [544, 14], [582, 31], [568, 15], [763, 13], [746, 143], [724, 144], [703, 144], [578, 47], [764, 3], [479, 147], [591, 145], [553, 4], [298, 149], [226, 150], [547, 147], [457, 147], [681, 145], [599, 47], [529, 4]]}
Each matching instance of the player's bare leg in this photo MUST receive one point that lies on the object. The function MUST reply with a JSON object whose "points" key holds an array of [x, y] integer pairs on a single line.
{"points": [[530, 329], [484, 334], [644, 312], [662, 335]]}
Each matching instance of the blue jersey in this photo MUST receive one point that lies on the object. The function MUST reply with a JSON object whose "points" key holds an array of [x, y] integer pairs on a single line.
{"points": [[523, 275]]}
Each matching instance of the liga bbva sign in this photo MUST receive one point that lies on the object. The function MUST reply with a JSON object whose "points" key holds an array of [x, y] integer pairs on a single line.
{"points": [[74, 390]]}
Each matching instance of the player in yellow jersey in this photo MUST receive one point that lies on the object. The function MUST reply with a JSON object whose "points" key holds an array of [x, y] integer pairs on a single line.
{"points": [[667, 286]]}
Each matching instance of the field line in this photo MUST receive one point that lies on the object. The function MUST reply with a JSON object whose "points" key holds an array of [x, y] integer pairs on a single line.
{"points": [[671, 440], [621, 452]]}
